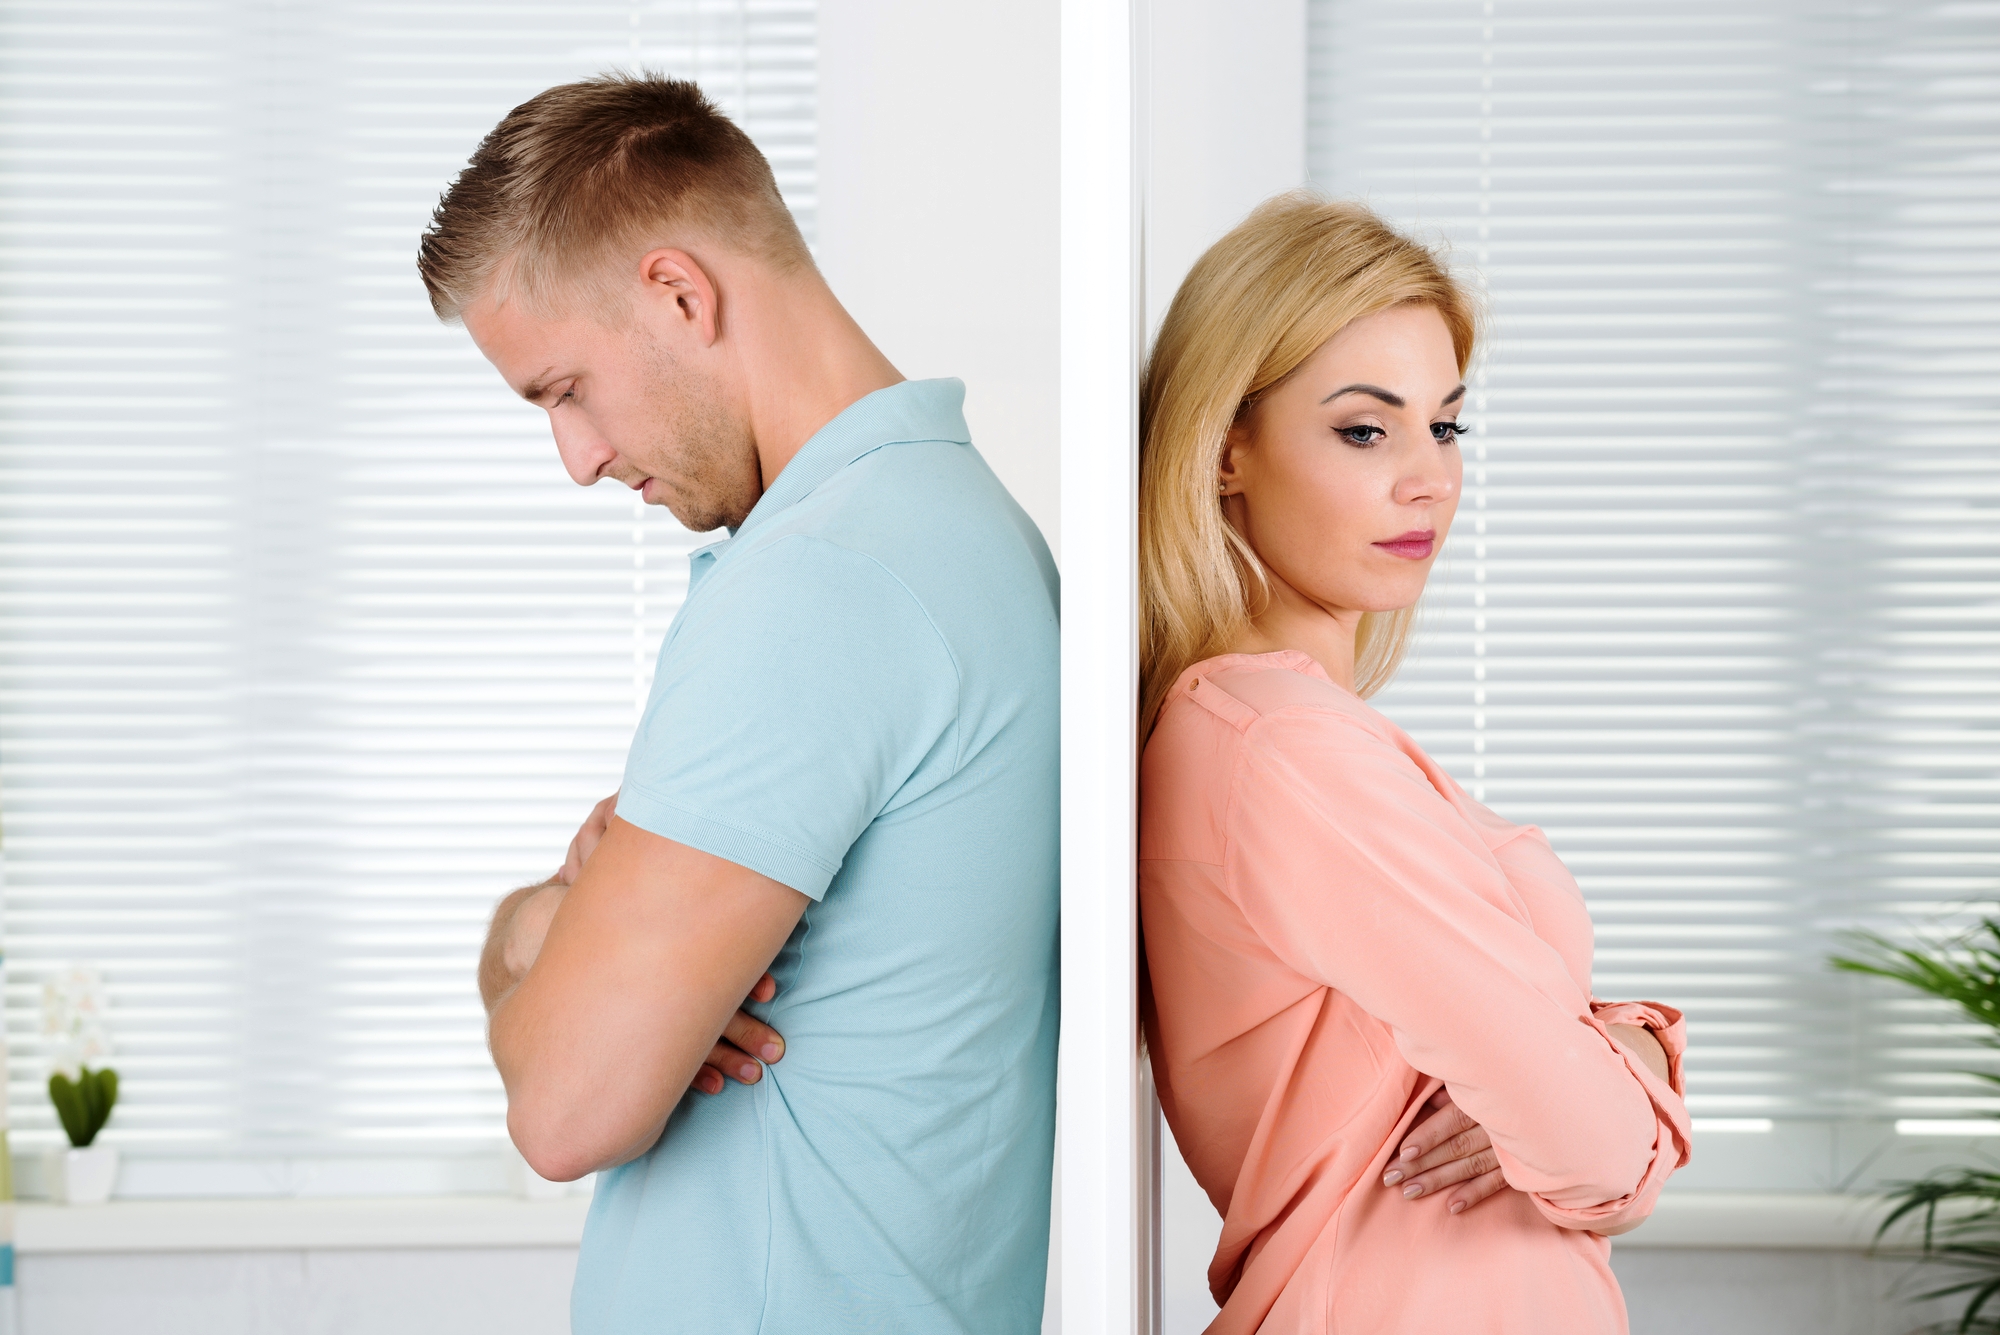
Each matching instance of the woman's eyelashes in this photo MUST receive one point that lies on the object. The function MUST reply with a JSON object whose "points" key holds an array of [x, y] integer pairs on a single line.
{"points": [[1367, 434]]}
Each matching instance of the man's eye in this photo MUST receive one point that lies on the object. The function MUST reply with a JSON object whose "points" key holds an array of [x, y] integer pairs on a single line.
{"points": [[1360, 435]]}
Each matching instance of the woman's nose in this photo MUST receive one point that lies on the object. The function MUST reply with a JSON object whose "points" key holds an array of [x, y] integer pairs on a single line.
{"points": [[1427, 476]]}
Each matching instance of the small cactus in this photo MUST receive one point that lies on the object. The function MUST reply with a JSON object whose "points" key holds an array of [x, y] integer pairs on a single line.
{"points": [[85, 1103]]}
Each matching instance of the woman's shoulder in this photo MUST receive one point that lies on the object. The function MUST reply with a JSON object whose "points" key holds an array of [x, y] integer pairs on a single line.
{"points": [[1266, 700]]}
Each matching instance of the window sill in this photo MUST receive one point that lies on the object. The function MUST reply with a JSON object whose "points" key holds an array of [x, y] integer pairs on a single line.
{"points": [[298, 1224], [1760, 1219], [1713, 1219]]}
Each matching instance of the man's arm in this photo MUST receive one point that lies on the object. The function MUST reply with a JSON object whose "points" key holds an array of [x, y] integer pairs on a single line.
{"points": [[649, 955]]}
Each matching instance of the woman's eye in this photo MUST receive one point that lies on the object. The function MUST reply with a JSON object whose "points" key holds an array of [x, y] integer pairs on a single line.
{"points": [[1360, 435], [1446, 432]]}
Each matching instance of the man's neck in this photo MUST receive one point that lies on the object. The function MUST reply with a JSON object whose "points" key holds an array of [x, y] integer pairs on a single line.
{"points": [[804, 361]]}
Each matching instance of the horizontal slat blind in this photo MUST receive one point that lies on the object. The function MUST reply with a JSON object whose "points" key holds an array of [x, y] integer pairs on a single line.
{"points": [[1722, 608], [308, 648]]}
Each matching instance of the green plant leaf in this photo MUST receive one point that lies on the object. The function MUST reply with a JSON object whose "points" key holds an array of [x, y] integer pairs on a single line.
{"points": [[1964, 970], [107, 1084], [71, 1109]]}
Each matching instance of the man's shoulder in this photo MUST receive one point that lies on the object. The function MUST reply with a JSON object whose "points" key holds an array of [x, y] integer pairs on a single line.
{"points": [[930, 515]]}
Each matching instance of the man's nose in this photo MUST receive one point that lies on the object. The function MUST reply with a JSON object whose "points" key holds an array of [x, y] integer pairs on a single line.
{"points": [[585, 454]]}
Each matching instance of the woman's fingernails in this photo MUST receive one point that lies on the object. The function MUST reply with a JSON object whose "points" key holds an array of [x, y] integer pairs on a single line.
{"points": [[1410, 1152], [1457, 1206], [1392, 1177], [1414, 1190], [770, 1052]]}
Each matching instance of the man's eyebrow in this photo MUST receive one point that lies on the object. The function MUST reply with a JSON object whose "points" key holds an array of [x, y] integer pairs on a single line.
{"points": [[539, 386], [1373, 391]]}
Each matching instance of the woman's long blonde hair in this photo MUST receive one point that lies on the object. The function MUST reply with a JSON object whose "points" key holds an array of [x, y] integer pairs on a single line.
{"points": [[1251, 311]]}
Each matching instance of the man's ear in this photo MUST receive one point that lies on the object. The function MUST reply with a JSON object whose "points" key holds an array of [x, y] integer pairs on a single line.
{"points": [[679, 291]]}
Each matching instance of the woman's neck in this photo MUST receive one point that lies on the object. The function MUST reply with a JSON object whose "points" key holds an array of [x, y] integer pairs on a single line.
{"points": [[1293, 621]]}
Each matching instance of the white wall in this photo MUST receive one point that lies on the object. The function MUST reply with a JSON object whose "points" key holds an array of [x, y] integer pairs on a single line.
{"points": [[1227, 92], [1226, 87], [525, 1291], [937, 208], [474, 1291]]}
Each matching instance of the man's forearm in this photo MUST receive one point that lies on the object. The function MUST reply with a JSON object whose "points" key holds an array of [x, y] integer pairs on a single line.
{"points": [[647, 960]]}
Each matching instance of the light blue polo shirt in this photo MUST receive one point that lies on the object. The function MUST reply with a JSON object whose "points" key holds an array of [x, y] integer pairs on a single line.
{"points": [[858, 699]]}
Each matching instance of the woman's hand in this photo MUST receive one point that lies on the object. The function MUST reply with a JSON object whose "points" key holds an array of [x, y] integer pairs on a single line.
{"points": [[1446, 1149], [1646, 1047]]}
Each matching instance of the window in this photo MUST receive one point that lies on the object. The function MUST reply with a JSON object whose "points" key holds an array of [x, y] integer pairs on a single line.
{"points": [[311, 649], [1719, 611]]}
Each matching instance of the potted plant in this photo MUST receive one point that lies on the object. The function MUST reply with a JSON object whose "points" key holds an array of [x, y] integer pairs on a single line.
{"points": [[1959, 1207], [73, 1012], [83, 1173]]}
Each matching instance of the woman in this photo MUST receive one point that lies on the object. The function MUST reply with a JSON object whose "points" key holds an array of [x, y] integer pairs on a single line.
{"points": [[1370, 1013]]}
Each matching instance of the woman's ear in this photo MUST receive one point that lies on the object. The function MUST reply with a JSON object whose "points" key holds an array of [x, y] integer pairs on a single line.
{"points": [[1234, 445]]}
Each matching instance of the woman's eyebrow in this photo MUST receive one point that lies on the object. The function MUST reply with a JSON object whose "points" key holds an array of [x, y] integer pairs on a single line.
{"points": [[1393, 400], [1374, 391]]}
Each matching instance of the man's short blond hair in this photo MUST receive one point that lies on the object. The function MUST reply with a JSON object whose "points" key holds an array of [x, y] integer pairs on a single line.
{"points": [[589, 175]]}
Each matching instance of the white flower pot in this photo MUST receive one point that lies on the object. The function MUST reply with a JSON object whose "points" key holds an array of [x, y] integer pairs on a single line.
{"points": [[82, 1177]]}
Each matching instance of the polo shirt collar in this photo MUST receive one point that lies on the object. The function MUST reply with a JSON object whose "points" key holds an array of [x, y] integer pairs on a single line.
{"points": [[906, 411]]}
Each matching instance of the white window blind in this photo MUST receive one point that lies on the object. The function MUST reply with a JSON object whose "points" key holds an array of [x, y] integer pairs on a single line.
{"points": [[1721, 610], [308, 648]]}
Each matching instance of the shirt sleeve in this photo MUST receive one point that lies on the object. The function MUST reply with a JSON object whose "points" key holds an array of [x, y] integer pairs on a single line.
{"points": [[1359, 874], [803, 694]]}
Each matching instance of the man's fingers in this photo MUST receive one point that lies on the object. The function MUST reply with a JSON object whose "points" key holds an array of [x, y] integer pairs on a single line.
{"points": [[753, 1037], [1475, 1191], [730, 1061], [1457, 1170], [708, 1080], [1432, 1131], [767, 987], [587, 836]]}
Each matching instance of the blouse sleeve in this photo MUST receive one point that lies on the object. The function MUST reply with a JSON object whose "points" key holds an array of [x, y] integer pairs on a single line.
{"points": [[1359, 874]]}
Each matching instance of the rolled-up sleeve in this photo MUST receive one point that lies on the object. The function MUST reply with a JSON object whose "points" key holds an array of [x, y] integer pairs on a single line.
{"points": [[1358, 873]]}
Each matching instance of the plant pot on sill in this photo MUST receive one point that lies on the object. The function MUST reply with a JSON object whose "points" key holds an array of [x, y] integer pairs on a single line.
{"points": [[81, 1177]]}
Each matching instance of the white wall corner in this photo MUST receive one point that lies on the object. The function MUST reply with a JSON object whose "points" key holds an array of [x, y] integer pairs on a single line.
{"points": [[1227, 88], [938, 209]]}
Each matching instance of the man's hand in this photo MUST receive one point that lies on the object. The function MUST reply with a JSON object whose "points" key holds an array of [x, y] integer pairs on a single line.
{"points": [[1446, 1149], [631, 996], [521, 922], [587, 835]]}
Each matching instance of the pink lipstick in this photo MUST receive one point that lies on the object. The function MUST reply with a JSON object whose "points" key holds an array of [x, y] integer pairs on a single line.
{"points": [[1416, 545]]}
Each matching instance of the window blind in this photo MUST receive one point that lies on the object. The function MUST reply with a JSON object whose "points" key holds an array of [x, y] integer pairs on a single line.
{"points": [[310, 648], [1721, 609]]}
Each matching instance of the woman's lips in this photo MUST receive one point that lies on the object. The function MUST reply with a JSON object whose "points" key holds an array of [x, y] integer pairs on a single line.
{"points": [[1415, 545]]}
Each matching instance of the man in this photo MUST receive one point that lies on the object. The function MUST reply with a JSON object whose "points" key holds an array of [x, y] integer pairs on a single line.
{"points": [[846, 772]]}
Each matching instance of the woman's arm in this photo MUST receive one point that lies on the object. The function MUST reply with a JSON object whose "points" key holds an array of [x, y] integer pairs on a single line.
{"points": [[1446, 1149], [1359, 873]]}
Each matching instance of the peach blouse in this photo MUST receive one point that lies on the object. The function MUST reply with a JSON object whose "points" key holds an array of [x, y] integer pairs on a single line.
{"points": [[1333, 928]]}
